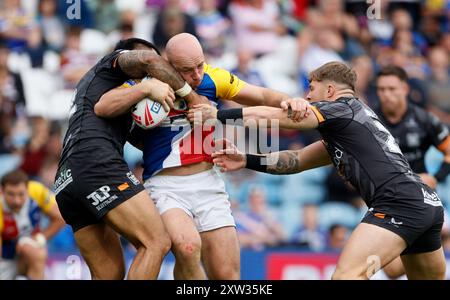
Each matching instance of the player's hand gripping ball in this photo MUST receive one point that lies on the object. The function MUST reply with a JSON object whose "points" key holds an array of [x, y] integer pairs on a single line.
{"points": [[148, 113]]}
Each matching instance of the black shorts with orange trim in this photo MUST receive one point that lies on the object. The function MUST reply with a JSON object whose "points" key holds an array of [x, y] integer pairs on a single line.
{"points": [[413, 211], [92, 182]]}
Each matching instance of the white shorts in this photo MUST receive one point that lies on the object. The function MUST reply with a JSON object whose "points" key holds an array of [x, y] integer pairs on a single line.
{"points": [[202, 196], [8, 269]]}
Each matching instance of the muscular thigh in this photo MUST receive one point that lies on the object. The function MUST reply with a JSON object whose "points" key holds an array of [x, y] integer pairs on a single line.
{"points": [[181, 228], [100, 247], [137, 219], [429, 265], [368, 249], [220, 250]]}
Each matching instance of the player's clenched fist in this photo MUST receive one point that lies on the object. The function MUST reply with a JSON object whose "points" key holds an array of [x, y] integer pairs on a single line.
{"points": [[299, 108]]}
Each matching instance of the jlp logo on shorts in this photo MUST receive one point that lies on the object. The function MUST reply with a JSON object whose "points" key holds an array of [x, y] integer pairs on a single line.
{"points": [[64, 178], [431, 199], [133, 178], [101, 197]]}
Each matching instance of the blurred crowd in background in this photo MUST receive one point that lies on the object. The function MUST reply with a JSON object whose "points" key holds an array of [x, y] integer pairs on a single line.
{"points": [[46, 46]]}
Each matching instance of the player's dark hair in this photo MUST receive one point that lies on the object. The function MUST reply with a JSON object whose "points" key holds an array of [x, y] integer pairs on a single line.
{"points": [[14, 177], [392, 70], [336, 72], [130, 44]]}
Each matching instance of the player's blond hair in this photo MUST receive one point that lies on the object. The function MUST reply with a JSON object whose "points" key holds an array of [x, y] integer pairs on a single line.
{"points": [[335, 71]]}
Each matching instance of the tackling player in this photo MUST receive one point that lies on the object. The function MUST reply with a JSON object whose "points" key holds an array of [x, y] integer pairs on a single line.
{"points": [[405, 216]]}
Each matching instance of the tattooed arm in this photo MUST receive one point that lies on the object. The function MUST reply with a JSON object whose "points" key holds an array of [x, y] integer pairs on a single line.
{"points": [[139, 63], [291, 162], [284, 162]]}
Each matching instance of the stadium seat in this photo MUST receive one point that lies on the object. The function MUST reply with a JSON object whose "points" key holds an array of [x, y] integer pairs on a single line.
{"points": [[227, 61], [59, 104], [290, 216], [275, 63], [18, 62], [443, 191], [338, 213], [137, 6], [433, 160], [306, 187], [144, 25], [8, 162], [269, 179], [63, 241], [44, 96], [94, 42], [52, 62], [132, 155], [276, 71], [236, 190]]}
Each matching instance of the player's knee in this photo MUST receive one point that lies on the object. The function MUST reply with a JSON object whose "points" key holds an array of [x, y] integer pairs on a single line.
{"points": [[229, 272], [165, 244], [158, 241], [160, 245], [41, 255], [187, 250], [32, 254]]}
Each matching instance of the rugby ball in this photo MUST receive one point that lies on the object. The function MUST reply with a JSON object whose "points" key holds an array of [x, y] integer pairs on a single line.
{"points": [[148, 114]]}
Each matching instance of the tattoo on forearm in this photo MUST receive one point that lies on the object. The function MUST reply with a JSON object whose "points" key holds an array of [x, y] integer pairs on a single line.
{"points": [[287, 163], [139, 63], [163, 71], [132, 63]]}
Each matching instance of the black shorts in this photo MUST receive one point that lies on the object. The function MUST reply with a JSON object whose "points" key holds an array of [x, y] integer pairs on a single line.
{"points": [[411, 210], [90, 183]]}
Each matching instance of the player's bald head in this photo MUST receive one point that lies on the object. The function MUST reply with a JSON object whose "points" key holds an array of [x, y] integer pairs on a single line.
{"points": [[183, 46], [185, 53]]}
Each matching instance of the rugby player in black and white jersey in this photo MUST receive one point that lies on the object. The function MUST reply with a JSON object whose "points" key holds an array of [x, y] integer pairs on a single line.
{"points": [[96, 192], [415, 131], [414, 128], [405, 216]]}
